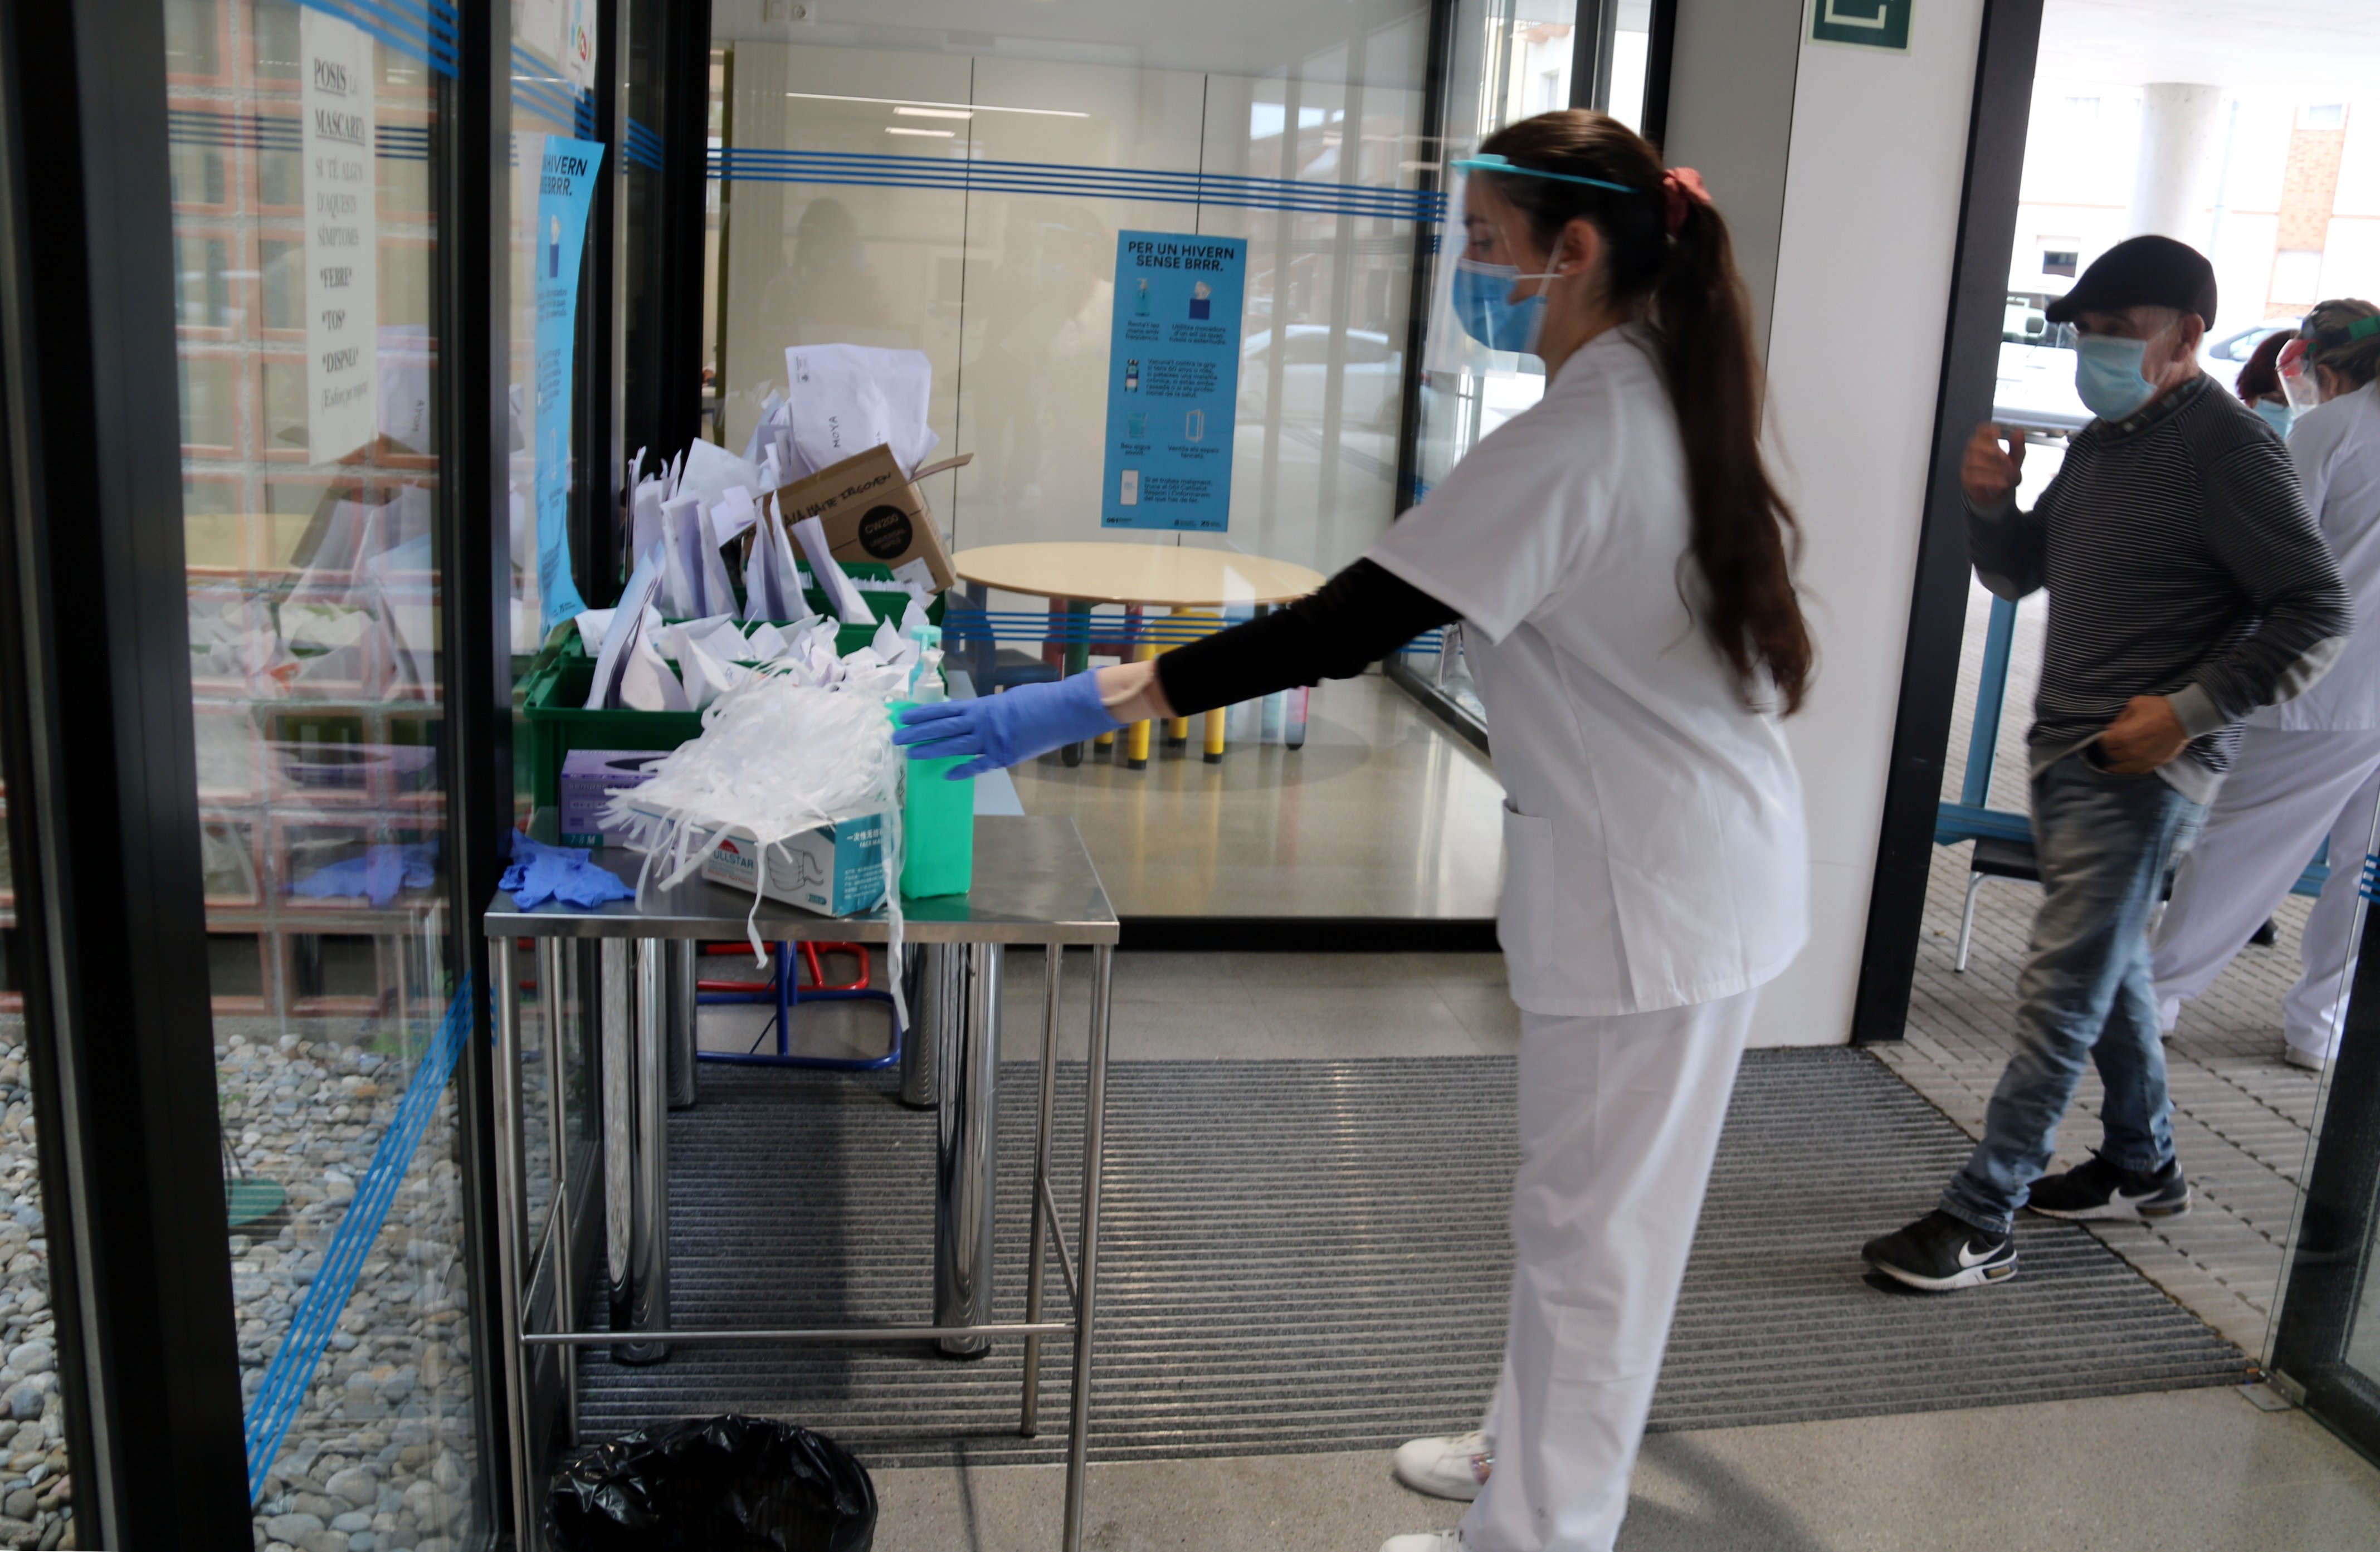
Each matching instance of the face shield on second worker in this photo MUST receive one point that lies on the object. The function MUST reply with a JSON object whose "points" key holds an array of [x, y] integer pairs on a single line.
{"points": [[2300, 384]]}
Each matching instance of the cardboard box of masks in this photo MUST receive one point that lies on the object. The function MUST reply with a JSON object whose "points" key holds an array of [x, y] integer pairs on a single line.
{"points": [[836, 870], [872, 512]]}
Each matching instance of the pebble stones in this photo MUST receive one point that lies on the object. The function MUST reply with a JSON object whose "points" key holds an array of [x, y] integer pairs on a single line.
{"points": [[380, 1455], [36, 1491]]}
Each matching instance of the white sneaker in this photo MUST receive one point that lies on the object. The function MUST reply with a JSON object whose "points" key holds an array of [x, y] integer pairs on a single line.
{"points": [[2313, 1062], [1427, 1541], [1448, 1466]]}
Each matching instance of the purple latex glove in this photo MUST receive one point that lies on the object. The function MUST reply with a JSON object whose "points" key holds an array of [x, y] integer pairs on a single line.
{"points": [[1000, 730]]}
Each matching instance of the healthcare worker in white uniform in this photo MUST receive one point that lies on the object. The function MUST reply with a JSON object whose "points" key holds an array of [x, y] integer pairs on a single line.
{"points": [[1620, 564], [2309, 768]]}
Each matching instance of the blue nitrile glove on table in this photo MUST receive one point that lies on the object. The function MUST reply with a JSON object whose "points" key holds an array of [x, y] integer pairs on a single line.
{"points": [[539, 873], [1000, 730]]}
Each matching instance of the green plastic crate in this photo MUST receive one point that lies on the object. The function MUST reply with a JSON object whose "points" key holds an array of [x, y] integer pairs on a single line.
{"points": [[559, 722], [555, 703]]}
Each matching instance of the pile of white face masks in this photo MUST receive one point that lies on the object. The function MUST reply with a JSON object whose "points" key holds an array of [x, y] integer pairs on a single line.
{"points": [[777, 757], [645, 665]]}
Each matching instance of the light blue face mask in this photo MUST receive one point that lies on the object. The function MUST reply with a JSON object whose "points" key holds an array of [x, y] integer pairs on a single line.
{"points": [[2280, 417], [1481, 290], [1480, 301], [2108, 375]]}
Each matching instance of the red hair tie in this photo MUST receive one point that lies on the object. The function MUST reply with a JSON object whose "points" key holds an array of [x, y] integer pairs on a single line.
{"points": [[1677, 186]]}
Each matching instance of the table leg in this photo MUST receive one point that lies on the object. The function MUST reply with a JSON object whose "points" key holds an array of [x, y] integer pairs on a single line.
{"points": [[965, 1157], [921, 1045], [682, 954], [636, 1164], [1078, 661], [1051, 968], [512, 1213], [1215, 720], [1095, 1116], [550, 981]]}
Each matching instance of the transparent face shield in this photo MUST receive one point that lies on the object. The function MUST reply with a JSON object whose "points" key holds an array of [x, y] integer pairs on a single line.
{"points": [[1474, 327], [2300, 384]]}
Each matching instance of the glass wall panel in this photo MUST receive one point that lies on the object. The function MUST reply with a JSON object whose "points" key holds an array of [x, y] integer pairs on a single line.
{"points": [[305, 146], [961, 193]]}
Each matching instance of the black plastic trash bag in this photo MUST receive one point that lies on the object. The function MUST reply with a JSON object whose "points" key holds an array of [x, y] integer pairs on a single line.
{"points": [[713, 1485]]}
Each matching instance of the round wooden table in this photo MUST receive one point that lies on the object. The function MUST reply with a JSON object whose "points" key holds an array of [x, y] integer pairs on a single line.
{"points": [[1175, 576], [1081, 574]]}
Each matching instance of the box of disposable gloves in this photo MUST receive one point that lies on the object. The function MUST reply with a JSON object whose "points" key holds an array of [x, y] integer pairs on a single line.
{"points": [[836, 870]]}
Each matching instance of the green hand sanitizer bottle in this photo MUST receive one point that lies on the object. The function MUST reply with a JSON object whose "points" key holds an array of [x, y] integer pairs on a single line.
{"points": [[937, 814]]}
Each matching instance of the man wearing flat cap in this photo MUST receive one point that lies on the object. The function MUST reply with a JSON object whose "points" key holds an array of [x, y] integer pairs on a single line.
{"points": [[2188, 586]]}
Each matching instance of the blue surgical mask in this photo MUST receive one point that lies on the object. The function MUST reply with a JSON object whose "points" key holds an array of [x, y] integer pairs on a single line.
{"points": [[2280, 417], [1480, 293], [2108, 375]]}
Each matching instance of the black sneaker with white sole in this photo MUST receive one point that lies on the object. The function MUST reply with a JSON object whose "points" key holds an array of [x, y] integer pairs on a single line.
{"points": [[1940, 1253], [2101, 1191]]}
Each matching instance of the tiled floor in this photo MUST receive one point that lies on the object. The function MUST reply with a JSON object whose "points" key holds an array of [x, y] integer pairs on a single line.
{"points": [[2242, 1117], [2201, 1470]]}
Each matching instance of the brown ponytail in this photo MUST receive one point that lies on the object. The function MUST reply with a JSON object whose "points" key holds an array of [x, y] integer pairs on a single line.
{"points": [[1683, 287]]}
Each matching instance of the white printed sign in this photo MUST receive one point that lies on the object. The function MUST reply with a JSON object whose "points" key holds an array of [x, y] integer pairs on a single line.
{"points": [[342, 237], [564, 32]]}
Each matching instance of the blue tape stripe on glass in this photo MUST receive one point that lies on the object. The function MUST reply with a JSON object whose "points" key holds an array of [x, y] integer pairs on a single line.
{"points": [[1213, 188], [1315, 205], [419, 30], [402, 143], [550, 95], [391, 142], [645, 149], [292, 1369], [1193, 179]]}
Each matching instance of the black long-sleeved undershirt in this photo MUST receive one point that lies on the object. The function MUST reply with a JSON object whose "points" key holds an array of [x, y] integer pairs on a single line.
{"points": [[1351, 622]]}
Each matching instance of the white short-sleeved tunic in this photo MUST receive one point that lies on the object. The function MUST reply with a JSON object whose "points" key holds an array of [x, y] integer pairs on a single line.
{"points": [[1655, 853], [2336, 450]]}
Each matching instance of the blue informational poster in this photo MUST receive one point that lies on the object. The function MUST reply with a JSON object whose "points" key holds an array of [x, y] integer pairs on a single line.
{"points": [[1174, 381], [566, 184]]}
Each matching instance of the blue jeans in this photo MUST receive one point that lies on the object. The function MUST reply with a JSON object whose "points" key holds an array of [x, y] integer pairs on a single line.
{"points": [[2104, 843]]}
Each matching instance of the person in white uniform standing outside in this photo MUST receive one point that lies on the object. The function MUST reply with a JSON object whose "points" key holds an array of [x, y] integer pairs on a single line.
{"points": [[2309, 766], [1619, 560]]}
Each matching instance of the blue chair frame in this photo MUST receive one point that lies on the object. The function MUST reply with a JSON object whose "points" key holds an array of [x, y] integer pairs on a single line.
{"points": [[787, 994]]}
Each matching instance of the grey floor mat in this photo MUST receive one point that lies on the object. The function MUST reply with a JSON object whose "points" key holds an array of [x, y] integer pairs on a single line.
{"points": [[1312, 1256]]}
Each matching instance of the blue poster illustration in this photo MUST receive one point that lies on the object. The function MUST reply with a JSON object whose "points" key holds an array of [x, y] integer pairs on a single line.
{"points": [[1174, 381], [564, 186]]}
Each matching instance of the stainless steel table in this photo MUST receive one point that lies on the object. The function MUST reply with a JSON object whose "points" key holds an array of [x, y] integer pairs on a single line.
{"points": [[1034, 884]]}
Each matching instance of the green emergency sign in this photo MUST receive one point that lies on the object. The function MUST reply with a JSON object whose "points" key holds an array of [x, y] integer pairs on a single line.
{"points": [[1870, 23]]}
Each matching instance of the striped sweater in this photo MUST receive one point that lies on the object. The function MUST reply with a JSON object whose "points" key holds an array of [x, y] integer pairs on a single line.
{"points": [[2180, 561]]}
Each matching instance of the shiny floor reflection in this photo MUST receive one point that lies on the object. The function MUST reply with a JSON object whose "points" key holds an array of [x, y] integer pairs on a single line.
{"points": [[1384, 813]]}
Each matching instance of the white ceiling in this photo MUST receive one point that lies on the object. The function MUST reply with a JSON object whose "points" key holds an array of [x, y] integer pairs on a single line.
{"points": [[2313, 50]]}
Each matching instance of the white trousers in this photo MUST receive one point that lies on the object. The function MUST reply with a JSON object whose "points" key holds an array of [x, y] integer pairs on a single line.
{"points": [[2285, 793], [1618, 1117]]}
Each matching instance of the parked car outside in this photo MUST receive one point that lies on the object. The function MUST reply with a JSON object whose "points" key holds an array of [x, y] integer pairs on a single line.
{"points": [[1372, 375]]}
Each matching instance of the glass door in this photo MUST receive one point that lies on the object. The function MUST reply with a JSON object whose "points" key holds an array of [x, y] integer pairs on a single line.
{"points": [[2325, 1351], [307, 143], [1507, 60]]}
